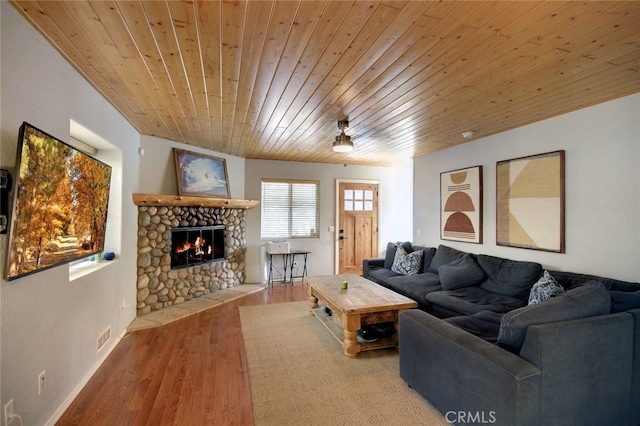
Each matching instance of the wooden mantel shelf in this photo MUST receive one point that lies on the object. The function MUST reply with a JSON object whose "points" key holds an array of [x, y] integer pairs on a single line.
{"points": [[183, 201]]}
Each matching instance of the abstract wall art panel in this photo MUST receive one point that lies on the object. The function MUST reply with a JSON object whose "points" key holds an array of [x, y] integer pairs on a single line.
{"points": [[530, 202], [461, 205]]}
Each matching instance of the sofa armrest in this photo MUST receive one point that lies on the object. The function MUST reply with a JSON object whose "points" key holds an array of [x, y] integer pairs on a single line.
{"points": [[371, 264], [587, 368], [635, 379], [459, 372]]}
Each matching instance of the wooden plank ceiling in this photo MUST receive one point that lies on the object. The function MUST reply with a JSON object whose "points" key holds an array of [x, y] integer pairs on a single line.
{"points": [[270, 79]]}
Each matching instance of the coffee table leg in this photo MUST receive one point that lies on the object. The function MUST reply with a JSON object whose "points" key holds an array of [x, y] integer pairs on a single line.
{"points": [[313, 300], [350, 326]]}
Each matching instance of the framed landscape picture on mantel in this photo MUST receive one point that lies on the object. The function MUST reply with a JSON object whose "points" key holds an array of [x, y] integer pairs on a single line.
{"points": [[530, 202], [201, 175], [461, 205]]}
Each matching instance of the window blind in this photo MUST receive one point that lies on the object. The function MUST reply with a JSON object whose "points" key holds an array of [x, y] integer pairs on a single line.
{"points": [[289, 209]]}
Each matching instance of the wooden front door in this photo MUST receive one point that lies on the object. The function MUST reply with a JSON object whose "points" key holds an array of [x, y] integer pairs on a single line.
{"points": [[357, 225]]}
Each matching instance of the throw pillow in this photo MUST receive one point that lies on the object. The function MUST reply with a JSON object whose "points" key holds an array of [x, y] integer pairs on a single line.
{"points": [[444, 255], [588, 300], [460, 273], [407, 263], [391, 252], [544, 289], [427, 257]]}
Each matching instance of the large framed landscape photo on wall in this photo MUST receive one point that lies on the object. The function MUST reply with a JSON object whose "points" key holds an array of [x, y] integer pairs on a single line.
{"points": [[201, 175], [530, 202], [461, 205]]}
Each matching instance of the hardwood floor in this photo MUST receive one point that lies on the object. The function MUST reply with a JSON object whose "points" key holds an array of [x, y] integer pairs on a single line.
{"points": [[190, 372]]}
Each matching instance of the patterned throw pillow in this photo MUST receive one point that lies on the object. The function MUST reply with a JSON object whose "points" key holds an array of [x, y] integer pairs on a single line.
{"points": [[407, 263], [546, 288]]}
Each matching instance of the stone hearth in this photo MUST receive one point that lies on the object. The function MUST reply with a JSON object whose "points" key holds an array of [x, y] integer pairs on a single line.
{"points": [[158, 286]]}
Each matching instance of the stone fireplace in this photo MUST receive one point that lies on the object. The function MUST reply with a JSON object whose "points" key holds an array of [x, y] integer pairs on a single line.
{"points": [[221, 222]]}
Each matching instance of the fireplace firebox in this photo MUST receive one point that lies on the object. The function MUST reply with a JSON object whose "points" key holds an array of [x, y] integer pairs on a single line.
{"points": [[197, 245]]}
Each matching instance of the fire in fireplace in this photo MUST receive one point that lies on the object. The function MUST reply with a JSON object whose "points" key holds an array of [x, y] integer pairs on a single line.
{"points": [[197, 245]]}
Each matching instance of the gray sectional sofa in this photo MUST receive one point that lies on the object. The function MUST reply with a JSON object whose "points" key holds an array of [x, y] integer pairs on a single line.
{"points": [[484, 347]]}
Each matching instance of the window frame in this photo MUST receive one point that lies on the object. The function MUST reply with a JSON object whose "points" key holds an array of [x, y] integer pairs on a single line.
{"points": [[290, 206]]}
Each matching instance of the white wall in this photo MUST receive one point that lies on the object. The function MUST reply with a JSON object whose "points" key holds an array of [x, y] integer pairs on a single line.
{"points": [[49, 321], [602, 187], [394, 201], [158, 172]]}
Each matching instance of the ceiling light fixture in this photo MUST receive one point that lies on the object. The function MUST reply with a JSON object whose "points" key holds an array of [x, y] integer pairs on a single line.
{"points": [[468, 134], [343, 142]]}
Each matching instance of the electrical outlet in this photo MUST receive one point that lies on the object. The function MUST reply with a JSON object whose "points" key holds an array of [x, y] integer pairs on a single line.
{"points": [[41, 381], [8, 413]]}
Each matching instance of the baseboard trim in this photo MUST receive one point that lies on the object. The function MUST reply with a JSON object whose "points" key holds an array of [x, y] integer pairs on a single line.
{"points": [[76, 391]]}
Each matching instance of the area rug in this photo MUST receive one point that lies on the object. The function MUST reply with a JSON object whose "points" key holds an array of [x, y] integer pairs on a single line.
{"points": [[299, 375]]}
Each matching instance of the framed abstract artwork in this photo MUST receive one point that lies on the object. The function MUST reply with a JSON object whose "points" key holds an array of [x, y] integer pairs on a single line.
{"points": [[201, 175], [461, 205], [530, 202]]}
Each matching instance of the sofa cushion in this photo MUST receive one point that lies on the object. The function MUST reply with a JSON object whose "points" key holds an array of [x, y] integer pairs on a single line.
{"points": [[407, 263], [391, 252], [462, 272], [509, 277], [544, 289], [624, 300], [588, 300], [382, 275], [617, 285], [570, 280], [443, 256], [484, 324], [471, 300], [427, 256], [415, 287]]}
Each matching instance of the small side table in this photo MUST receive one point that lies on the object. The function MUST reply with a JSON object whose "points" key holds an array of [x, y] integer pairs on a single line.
{"points": [[304, 254], [288, 262]]}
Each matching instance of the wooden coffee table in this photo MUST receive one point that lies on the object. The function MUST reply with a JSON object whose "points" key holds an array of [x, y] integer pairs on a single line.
{"points": [[362, 303]]}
